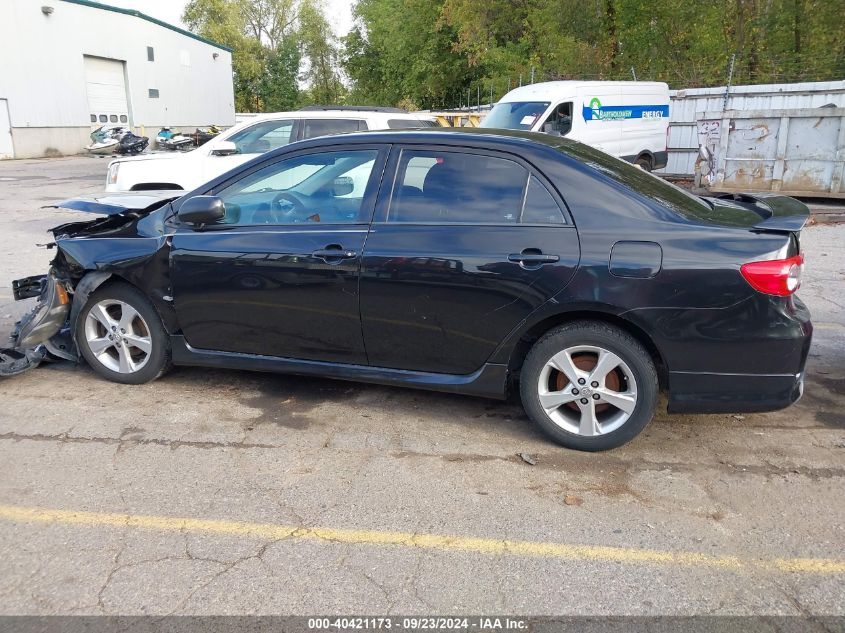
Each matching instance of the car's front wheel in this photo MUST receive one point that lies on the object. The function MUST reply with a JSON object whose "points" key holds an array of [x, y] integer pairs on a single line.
{"points": [[120, 335], [589, 385]]}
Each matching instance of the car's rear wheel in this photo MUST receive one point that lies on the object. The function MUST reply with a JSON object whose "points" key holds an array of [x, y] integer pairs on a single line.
{"points": [[121, 336], [589, 385]]}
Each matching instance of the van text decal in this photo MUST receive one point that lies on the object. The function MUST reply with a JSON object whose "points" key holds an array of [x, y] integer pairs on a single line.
{"points": [[597, 112]]}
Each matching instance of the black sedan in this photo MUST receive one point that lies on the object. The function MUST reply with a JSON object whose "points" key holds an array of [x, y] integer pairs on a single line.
{"points": [[460, 261]]}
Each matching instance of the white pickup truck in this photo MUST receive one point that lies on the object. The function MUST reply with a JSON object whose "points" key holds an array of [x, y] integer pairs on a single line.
{"points": [[246, 140]]}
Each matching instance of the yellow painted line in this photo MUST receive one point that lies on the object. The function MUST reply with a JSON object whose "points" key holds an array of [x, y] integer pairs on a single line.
{"points": [[489, 546]]}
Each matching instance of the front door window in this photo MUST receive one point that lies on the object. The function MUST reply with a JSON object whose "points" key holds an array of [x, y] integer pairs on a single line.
{"points": [[559, 122]]}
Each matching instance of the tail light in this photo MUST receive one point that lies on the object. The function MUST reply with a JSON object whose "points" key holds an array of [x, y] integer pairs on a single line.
{"points": [[779, 277]]}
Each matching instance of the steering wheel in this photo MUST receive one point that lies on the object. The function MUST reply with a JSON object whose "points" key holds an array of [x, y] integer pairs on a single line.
{"points": [[285, 206]]}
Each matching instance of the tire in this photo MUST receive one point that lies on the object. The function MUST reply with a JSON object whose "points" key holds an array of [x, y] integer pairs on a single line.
{"points": [[137, 353], [644, 162], [548, 390]]}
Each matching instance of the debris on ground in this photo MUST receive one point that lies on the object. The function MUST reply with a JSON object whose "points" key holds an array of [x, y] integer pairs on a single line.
{"points": [[573, 500], [528, 459]]}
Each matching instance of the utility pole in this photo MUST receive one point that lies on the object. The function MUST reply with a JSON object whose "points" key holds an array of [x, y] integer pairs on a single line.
{"points": [[491, 92], [520, 80], [730, 79], [633, 73], [478, 98], [532, 74]]}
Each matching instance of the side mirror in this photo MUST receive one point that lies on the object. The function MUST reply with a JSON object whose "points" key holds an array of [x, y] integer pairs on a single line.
{"points": [[202, 210], [342, 186], [224, 148]]}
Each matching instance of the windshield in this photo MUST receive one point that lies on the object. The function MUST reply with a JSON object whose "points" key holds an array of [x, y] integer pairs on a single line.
{"points": [[515, 116]]}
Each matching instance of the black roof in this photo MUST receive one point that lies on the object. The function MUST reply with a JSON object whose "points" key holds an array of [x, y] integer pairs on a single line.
{"points": [[456, 136]]}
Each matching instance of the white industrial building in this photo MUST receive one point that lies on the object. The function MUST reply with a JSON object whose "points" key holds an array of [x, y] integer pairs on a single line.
{"points": [[69, 66]]}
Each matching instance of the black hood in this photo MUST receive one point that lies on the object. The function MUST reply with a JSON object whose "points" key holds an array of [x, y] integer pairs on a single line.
{"points": [[118, 203]]}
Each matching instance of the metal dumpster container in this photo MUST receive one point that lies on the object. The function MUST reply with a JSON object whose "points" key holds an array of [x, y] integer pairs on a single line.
{"points": [[793, 152]]}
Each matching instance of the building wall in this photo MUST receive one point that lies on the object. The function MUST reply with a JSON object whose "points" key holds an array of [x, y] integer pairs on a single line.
{"points": [[42, 74]]}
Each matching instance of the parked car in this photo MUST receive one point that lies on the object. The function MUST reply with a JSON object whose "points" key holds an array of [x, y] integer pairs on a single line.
{"points": [[629, 119], [246, 140], [514, 259]]}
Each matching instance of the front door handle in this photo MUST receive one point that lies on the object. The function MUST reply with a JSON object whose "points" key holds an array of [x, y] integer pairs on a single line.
{"points": [[334, 253], [532, 257]]}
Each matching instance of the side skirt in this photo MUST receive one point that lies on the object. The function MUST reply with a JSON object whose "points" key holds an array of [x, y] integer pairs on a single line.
{"points": [[488, 382]]}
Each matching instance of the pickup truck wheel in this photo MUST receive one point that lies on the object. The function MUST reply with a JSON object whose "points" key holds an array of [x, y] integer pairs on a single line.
{"points": [[121, 336], [590, 386]]}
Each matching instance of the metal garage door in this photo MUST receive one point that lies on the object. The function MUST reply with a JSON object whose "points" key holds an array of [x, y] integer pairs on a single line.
{"points": [[106, 88]]}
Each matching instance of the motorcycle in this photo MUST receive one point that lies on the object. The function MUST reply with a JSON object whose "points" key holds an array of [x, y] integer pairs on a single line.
{"points": [[105, 139]]}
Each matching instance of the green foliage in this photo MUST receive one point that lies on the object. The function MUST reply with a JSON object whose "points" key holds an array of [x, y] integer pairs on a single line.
{"points": [[277, 46], [320, 49], [403, 49], [431, 52]]}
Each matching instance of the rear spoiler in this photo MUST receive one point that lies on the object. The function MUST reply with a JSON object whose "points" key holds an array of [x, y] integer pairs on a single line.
{"points": [[778, 213]]}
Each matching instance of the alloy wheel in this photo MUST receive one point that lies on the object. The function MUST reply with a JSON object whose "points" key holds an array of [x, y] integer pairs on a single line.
{"points": [[118, 336], [587, 390]]}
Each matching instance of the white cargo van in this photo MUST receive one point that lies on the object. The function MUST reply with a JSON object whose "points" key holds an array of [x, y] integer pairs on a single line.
{"points": [[629, 119]]}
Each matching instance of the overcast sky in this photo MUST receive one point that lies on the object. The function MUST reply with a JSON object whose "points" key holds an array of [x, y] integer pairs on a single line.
{"points": [[338, 12]]}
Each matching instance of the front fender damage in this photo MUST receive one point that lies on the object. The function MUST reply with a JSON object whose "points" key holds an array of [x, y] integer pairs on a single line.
{"points": [[88, 254]]}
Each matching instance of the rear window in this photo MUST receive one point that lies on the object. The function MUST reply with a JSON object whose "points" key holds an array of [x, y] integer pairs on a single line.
{"points": [[669, 195], [404, 124]]}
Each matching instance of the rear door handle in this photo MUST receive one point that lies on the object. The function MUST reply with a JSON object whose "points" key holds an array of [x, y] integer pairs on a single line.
{"points": [[532, 257], [334, 252]]}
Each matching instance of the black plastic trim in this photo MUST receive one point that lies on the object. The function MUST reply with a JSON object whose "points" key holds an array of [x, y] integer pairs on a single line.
{"points": [[488, 382]]}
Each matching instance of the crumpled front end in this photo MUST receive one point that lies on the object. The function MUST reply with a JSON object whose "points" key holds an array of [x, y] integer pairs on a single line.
{"points": [[122, 233], [40, 331]]}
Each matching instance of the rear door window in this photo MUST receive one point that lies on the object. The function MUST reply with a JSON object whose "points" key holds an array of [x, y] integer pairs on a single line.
{"points": [[447, 187]]}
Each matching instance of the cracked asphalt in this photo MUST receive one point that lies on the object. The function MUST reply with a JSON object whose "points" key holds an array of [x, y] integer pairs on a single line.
{"points": [[223, 492]]}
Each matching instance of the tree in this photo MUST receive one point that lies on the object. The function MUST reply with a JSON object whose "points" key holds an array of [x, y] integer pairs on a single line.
{"points": [[318, 46], [275, 45], [431, 52], [278, 88], [402, 50]]}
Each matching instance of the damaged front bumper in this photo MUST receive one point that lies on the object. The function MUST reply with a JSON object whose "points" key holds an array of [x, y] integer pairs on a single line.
{"points": [[30, 342]]}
